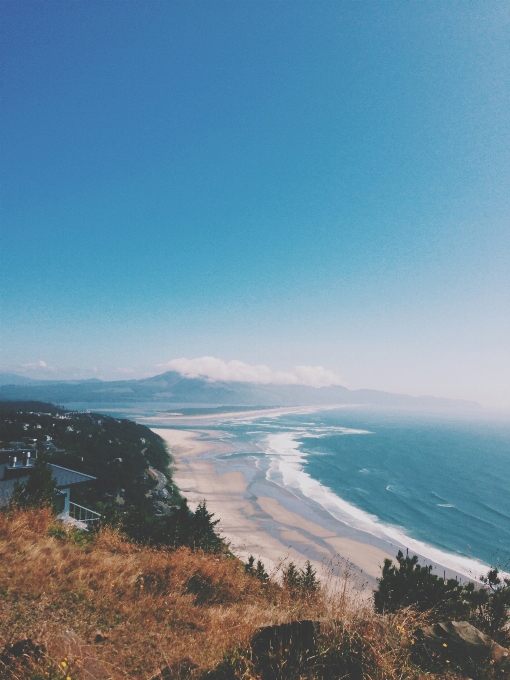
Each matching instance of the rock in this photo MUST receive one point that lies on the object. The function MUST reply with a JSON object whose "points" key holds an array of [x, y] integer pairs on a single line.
{"points": [[463, 639], [101, 637], [65, 646], [285, 643]]}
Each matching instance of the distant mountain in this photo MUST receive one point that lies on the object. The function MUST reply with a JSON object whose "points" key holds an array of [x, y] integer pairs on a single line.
{"points": [[15, 379], [173, 388]]}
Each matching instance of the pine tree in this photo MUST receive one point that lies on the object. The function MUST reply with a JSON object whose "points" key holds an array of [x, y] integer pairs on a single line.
{"points": [[248, 567], [261, 573], [291, 577], [491, 606], [413, 585], [301, 582], [308, 578], [204, 536], [193, 529]]}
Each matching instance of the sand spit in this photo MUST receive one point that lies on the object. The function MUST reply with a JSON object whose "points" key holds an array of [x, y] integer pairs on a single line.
{"points": [[174, 418]]}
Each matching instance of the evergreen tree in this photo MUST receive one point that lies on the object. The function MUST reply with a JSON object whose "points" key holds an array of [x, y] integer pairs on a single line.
{"points": [[291, 577], [261, 573], [248, 567], [258, 571], [139, 521], [203, 534], [308, 578], [193, 529], [491, 606], [301, 581], [413, 585]]}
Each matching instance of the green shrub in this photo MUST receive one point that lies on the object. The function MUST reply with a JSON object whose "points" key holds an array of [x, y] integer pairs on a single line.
{"points": [[413, 585], [490, 606]]}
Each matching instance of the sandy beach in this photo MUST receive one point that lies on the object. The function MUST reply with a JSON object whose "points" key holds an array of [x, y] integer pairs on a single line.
{"points": [[262, 519], [183, 419]]}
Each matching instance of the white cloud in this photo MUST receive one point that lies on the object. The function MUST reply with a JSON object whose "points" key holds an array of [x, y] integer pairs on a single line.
{"points": [[36, 367], [213, 368]]}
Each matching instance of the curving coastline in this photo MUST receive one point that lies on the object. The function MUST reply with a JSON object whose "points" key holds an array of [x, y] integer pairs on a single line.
{"points": [[261, 517], [268, 524]]}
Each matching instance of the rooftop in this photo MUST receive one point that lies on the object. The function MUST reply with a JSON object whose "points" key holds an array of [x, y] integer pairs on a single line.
{"points": [[63, 477]]}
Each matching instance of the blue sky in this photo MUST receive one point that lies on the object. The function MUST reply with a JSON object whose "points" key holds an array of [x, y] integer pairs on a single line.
{"points": [[279, 183]]}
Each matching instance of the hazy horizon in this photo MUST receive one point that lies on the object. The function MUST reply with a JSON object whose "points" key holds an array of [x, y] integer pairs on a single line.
{"points": [[316, 193], [212, 370]]}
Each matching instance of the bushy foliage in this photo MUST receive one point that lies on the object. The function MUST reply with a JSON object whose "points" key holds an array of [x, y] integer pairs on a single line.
{"points": [[490, 606], [179, 527], [117, 452], [413, 585], [196, 530]]}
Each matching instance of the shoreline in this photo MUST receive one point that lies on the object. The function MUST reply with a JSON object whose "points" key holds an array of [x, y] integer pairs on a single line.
{"points": [[276, 523], [259, 518], [175, 418]]}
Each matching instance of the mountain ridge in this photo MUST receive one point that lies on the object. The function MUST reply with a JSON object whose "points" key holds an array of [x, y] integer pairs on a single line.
{"points": [[173, 388]]}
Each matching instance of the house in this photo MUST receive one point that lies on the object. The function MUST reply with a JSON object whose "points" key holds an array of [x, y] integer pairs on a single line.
{"points": [[16, 464]]}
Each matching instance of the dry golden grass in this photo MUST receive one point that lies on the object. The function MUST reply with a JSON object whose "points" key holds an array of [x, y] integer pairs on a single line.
{"points": [[158, 608]]}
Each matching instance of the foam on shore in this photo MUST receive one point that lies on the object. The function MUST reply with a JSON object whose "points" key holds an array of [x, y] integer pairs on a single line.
{"points": [[283, 512], [256, 517], [286, 470]]}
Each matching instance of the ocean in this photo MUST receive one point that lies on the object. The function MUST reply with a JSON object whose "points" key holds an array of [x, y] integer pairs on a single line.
{"points": [[438, 484]]}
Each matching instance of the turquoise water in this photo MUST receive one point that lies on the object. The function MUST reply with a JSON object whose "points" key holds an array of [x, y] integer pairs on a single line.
{"points": [[444, 482], [441, 481], [439, 484]]}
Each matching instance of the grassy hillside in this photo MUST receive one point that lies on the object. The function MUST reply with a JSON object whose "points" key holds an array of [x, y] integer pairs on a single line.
{"points": [[157, 607], [137, 610]]}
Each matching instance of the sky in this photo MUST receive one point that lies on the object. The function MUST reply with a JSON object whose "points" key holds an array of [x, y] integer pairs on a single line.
{"points": [[212, 185]]}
